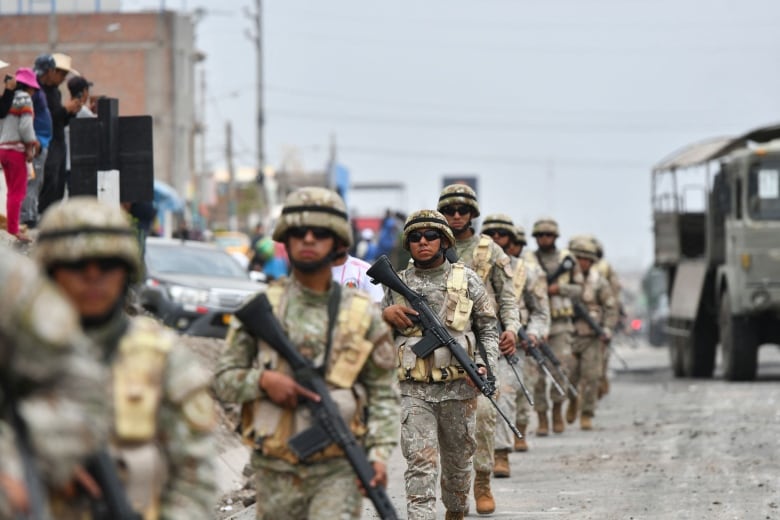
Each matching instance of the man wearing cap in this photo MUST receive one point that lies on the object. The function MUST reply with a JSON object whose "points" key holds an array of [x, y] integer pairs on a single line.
{"points": [[566, 286], [51, 73], [600, 303], [438, 404], [341, 332], [458, 203], [531, 288]]}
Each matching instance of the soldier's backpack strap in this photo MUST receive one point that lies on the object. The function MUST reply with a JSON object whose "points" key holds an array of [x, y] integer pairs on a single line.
{"points": [[481, 256], [351, 348], [458, 303], [519, 278]]}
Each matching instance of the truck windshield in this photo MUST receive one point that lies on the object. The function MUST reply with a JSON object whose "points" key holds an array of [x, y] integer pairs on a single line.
{"points": [[764, 191]]}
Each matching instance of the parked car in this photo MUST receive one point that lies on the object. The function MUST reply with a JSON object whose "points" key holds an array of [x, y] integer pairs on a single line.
{"points": [[233, 242], [194, 287]]}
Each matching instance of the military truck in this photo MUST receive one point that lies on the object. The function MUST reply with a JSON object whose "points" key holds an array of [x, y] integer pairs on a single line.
{"points": [[716, 212]]}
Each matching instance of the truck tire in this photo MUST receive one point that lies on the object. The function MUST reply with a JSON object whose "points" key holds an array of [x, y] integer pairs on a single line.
{"points": [[702, 346], [676, 355], [738, 343]]}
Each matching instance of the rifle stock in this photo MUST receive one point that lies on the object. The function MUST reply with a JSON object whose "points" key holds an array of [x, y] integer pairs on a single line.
{"points": [[435, 333], [328, 425]]}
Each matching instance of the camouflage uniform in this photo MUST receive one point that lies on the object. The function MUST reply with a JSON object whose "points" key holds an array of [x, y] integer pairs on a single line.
{"points": [[162, 414], [600, 303], [561, 312], [438, 417], [607, 271], [44, 356], [323, 486]]}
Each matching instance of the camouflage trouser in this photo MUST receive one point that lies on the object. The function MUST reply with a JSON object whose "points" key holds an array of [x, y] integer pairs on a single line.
{"points": [[560, 344], [433, 431], [324, 490], [530, 375], [486, 435], [587, 370], [508, 390], [605, 358]]}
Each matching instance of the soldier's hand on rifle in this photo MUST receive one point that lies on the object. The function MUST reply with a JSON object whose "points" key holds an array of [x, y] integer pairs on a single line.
{"points": [[531, 343], [284, 390], [507, 342], [607, 337], [380, 477], [397, 316], [481, 370], [15, 493], [82, 480], [553, 289]]}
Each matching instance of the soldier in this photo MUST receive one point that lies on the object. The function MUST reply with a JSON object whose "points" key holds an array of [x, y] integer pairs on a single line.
{"points": [[562, 290], [162, 412], [599, 302], [55, 385], [606, 270], [438, 405], [458, 202], [341, 331], [531, 289]]}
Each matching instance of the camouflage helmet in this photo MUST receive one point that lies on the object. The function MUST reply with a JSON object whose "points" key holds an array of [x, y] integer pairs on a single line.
{"points": [[427, 219], [84, 227], [545, 225], [498, 221], [520, 235], [599, 246], [459, 194], [315, 207], [583, 247]]}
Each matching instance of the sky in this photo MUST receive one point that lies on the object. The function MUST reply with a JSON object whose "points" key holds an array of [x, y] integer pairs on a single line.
{"points": [[559, 107]]}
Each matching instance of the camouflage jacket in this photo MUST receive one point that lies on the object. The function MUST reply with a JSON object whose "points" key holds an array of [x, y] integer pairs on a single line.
{"points": [[498, 280], [305, 318], [432, 283], [45, 357], [569, 288], [599, 300], [533, 300]]}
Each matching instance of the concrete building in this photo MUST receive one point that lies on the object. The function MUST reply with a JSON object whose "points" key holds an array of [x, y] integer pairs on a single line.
{"points": [[145, 60]]}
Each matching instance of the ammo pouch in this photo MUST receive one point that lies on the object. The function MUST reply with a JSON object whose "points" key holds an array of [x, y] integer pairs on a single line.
{"points": [[560, 307], [439, 367]]}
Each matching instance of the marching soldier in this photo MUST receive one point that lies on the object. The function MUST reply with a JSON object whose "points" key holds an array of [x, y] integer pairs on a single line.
{"points": [[608, 272], [438, 404], [458, 203], [46, 370], [341, 331], [598, 301], [565, 287], [162, 412]]}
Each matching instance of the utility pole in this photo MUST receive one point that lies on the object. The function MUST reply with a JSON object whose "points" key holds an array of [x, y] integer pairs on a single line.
{"points": [[256, 36], [231, 191]]}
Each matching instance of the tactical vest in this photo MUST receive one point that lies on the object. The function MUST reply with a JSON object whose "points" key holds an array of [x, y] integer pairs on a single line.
{"points": [[519, 277], [480, 262], [560, 306], [590, 300], [440, 366], [268, 427]]}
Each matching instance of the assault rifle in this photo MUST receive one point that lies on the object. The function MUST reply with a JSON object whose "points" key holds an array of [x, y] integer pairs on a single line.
{"points": [[327, 424], [113, 503], [435, 334], [513, 360], [583, 314], [556, 364], [533, 351]]}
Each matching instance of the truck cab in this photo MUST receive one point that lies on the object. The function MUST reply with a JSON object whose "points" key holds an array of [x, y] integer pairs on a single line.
{"points": [[716, 210]]}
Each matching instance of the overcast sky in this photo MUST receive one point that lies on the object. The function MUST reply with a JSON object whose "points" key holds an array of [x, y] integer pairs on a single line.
{"points": [[560, 107]]}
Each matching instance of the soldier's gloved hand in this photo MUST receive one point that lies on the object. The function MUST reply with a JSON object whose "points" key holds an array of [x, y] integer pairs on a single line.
{"points": [[15, 493], [380, 477], [284, 390], [396, 315], [507, 342]]}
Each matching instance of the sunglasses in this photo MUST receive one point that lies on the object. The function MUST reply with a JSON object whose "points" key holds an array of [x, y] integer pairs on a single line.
{"points": [[320, 233], [451, 210], [103, 264], [544, 234], [430, 235], [500, 232]]}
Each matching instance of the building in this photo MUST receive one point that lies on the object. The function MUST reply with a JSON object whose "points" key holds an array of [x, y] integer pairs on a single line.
{"points": [[145, 60]]}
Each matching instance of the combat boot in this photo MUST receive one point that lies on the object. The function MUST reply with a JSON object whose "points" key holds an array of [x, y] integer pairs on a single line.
{"points": [[586, 422], [482, 495], [544, 427], [571, 411], [521, 444], [452, 515], [557, 418], [501, 464]]}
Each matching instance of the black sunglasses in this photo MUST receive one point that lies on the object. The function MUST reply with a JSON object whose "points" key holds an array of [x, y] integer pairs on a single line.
{"points": [[103, 264], [544, 234], [451, 210], [430, 235], [320, 233], [499, 232]]}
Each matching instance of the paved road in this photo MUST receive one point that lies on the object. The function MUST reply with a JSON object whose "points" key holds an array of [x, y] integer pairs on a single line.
{"points": [[662, 448]]}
